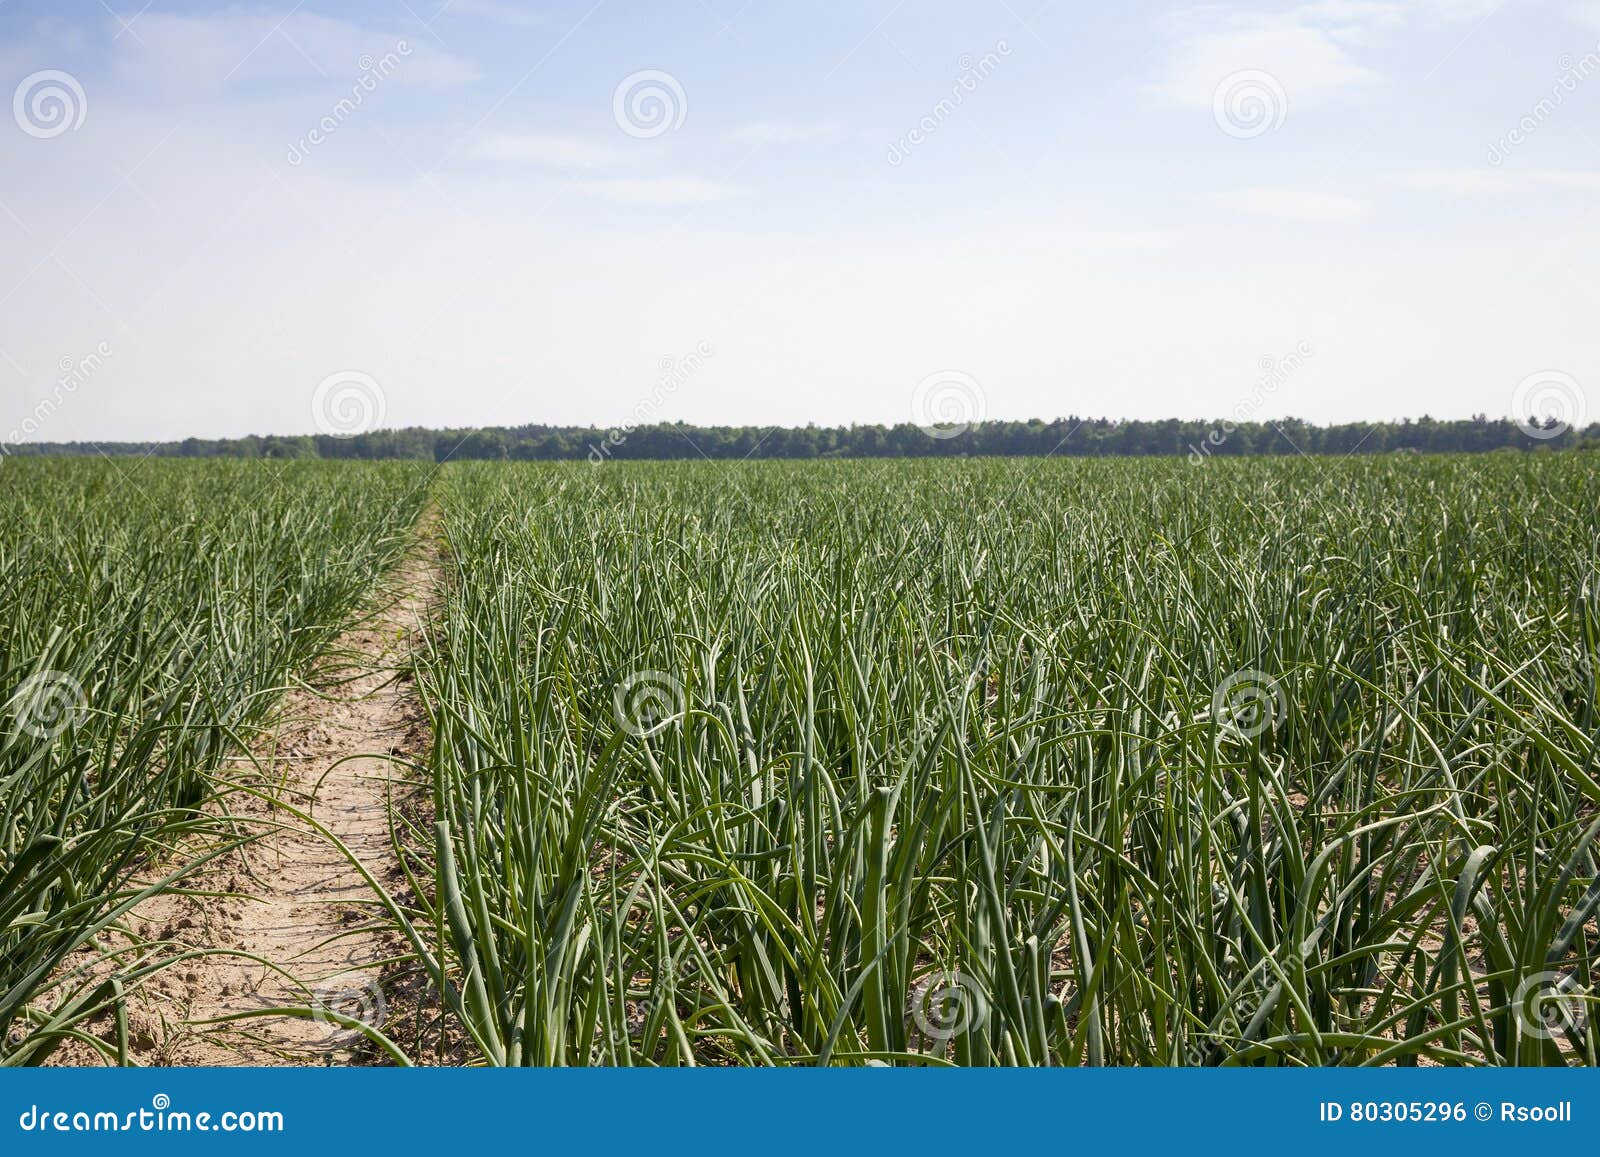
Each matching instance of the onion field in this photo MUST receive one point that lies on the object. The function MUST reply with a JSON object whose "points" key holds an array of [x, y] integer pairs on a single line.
{"points": [[990, 762], [1281, 761], [150, 617]]}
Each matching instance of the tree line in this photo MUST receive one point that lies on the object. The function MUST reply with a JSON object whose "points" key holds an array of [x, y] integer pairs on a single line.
{"points": [[1064, 437]]}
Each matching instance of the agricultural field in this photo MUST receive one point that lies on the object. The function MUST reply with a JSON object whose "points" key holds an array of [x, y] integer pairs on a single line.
{"points": [[978, 762], [150, 618], [1019, 762]]}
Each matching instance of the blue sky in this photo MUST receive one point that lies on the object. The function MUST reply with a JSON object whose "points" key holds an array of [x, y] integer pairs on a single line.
{"points": [[1140, 210]]}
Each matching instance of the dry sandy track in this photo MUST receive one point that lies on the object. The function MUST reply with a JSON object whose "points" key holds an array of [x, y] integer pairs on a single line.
{"points": [[293, 899]]}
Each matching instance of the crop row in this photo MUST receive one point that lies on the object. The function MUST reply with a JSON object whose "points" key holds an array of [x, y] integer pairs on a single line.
{"points": [[151, 616]]}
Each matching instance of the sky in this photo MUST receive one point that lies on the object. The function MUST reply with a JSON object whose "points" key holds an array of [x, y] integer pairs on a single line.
{"points": [[223, 219]]}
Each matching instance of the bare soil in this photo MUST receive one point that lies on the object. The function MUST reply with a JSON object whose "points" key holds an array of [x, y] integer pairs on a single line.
{"points": [[289, 920]]}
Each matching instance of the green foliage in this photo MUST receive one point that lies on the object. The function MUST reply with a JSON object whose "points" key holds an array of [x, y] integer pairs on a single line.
{"points": [[1010, 762], [150, 617], [1062, 438]]}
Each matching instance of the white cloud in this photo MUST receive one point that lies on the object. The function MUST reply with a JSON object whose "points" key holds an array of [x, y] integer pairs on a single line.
{"points": [[548, 150], [1308, 62], [1500, 182], [184, 55], [1308, 48], [659, 192], [1374, 12], [782, 132], [1311, 208], [1459, 11], [492, 10], [1587, 13], [1140, 240], [1352, 22]]}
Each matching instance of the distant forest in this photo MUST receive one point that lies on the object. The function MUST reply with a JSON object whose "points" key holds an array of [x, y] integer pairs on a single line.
{"points": [[1065, 437]]}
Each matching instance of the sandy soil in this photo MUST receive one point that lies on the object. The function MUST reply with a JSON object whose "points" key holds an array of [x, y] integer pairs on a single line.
{"points": [[290, 897]]}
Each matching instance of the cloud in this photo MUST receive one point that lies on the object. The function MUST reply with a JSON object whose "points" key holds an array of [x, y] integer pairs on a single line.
{"points": [[178, 54], [1587, 13], [1352, 22], [546, 150], [782, 132], [1459, 11], [497, 12], [1311, 208], [1382, 13], [659, 192], [1501, 182], [1308, 48], [1138, 240], [1308, 62]]}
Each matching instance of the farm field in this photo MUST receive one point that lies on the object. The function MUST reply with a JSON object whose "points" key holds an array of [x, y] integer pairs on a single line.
{"points": [[150, 618], [984, 762]]}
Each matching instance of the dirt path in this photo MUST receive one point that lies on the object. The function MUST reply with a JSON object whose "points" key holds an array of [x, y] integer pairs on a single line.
{"points": [[294, 900]]}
